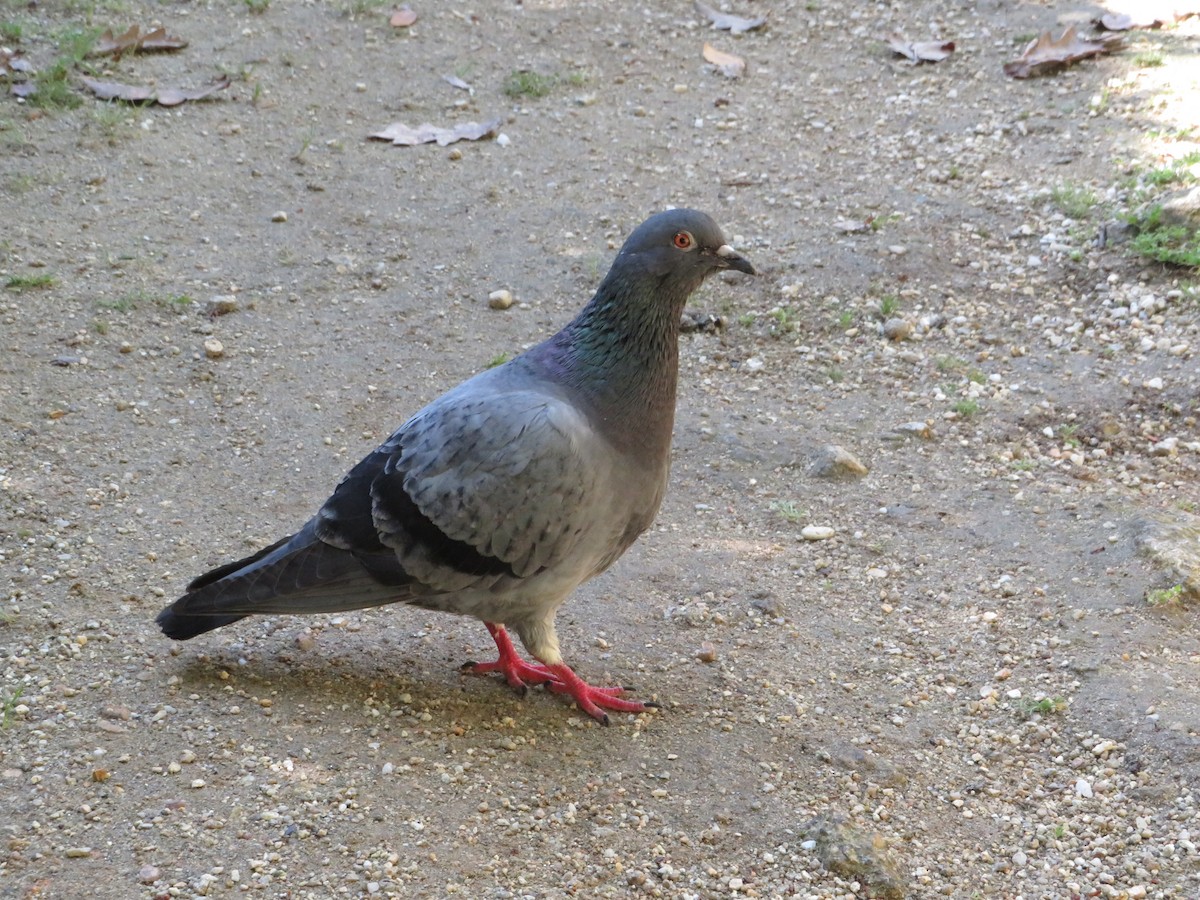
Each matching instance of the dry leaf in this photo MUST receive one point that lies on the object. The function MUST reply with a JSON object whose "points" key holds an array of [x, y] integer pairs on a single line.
{"points": [[919, 51], [134, 41], [725, 22], [727, 64], [403, 17], [407, 136], [115, 90], [455, 81], [1044, 53]]}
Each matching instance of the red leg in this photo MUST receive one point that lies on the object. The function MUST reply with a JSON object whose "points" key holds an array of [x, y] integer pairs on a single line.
{"points": [[558, 678]]}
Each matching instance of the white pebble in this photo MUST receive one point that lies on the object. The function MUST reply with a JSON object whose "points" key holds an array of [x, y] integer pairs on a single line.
{"points": [[817, 532], [1083, 788], [500, 299]]}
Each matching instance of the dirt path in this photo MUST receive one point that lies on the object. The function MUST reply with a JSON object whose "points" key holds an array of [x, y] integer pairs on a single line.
{"points": [[964, 692]]}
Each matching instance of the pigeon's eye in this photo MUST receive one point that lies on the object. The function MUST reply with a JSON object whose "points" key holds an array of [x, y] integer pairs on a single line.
{"points": [[683, 240]]}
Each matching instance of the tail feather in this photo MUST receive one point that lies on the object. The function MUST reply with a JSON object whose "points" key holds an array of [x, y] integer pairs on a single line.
{"points": [[300, 574]]}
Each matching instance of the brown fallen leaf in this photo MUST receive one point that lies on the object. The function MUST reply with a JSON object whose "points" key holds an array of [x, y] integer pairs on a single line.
{"points": [[1044, 53], [727, 64], [725, 22], [130, 93], [403, 17], [135, 41], [407, 136], [919, 51]]}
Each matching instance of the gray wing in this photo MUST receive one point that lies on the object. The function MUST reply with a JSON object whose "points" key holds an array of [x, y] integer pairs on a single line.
{"points": [[477, 487]]}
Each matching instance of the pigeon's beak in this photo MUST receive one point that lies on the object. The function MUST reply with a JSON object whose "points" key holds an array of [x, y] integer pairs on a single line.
{"points": [[728, 258]]}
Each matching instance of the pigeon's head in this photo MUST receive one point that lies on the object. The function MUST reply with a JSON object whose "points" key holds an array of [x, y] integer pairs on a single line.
{"points": [[678, 248]]}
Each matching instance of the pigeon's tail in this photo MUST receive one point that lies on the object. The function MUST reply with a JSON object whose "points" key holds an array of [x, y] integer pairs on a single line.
{"points": [[300, 574]]}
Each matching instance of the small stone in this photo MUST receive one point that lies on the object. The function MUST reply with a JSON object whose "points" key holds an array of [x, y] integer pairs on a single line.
{"points": [[897, 329], [1083, 788], [214, 349], [1020, 859], [707, 652], [78, 852], [500, 299], [1165, 447], [455, 154], [835, 461], [148, 874], [817, 532], [754, 364], [280, 216], [221, 305], [305, 640], [914, 429], [1154, 384], [1137, 892]]}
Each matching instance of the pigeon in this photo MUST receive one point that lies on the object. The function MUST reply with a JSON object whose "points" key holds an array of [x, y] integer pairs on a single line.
{"points": [[506, 493]]}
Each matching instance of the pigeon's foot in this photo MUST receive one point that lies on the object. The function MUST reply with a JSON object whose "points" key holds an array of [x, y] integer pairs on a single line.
{"points": [[558, 678]]}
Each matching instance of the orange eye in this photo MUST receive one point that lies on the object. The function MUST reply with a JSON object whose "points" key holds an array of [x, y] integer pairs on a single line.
{"points": [[683, 240]]}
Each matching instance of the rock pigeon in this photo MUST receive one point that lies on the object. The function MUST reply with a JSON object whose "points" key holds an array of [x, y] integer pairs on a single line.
{"points": [[506, 493]]}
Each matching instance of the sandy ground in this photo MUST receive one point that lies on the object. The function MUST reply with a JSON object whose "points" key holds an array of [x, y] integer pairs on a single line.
{"points": [[976, 687]]}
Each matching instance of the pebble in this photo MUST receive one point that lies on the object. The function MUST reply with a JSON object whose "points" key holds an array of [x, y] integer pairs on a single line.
{"points": [[707, 652], [1083, 787], [835, 461], [817, 532], [214, 349], [221, 305], [280, 216], [897, 329], [500, 299], [78, 852], [148, 874]]}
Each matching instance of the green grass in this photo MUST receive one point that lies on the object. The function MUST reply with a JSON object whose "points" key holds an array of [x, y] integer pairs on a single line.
{"points": [[113, 119], [1176, 171], [1165, 596], [11, 32], [950, 364], [845, 319], [498, 360], [782, 321], [888, 304], [834, 374], [258, 7], [878, 223], [136, 299], [1148, 59], [1068, 435], [1023, 465], [1045, 707], [29, 282], [789, 510], [1074, 200], [523, 83], [53, 82], [10, 706], [966, 408], [1174, 245], [362, 7]]}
